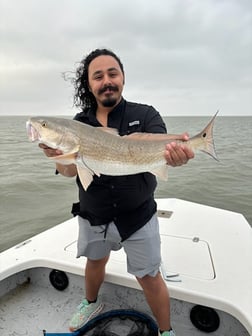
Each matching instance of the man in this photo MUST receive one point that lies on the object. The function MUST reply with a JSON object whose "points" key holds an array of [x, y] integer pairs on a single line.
{"points": [[118, 211]]}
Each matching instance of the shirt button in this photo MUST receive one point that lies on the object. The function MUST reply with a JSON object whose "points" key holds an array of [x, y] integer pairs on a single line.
{"points": [[112, 186], [114, 205]]}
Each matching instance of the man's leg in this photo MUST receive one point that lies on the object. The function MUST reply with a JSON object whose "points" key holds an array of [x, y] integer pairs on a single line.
{"points": [[143, 260], [157, 296], [94, 277], [91, 305], [91, 245]]}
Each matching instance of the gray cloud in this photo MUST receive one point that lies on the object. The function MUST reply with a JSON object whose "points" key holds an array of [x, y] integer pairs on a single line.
{"points": [[185, 57]]}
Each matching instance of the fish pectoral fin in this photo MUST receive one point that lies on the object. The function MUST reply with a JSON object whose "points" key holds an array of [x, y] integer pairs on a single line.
{"points": [[64, 158], [85, 176], [161, 172]]}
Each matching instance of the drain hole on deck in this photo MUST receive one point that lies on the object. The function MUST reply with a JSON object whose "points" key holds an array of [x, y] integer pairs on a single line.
{"points": [[204, 318], [59, 280]]}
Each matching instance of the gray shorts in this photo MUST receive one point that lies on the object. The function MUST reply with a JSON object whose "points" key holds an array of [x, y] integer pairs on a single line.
{"points": [[142, 247]]}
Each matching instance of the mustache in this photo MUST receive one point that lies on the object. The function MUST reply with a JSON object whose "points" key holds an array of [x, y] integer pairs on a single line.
{"points": [[108, 87]]}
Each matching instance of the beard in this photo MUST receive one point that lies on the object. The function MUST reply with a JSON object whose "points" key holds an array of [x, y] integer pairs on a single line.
{"points": [[109, 102]]}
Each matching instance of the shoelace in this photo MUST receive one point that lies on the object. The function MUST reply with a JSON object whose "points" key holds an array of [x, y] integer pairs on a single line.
{"points": [[83, 304]]}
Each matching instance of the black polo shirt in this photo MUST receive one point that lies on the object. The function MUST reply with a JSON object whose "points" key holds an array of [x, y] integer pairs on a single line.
{"points": [[128, 200]]}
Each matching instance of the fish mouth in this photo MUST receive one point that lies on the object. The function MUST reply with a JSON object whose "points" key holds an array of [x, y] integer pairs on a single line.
{"points": [[33, 134]]}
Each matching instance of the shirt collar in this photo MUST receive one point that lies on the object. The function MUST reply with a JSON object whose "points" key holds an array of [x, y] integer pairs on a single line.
{"points": [[114, 116]]}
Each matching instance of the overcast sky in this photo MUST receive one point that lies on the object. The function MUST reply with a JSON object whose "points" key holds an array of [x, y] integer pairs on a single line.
{"points": [[184, 57]]}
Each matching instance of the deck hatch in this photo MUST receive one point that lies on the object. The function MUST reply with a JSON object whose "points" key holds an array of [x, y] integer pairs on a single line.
{"points": [[187, 256]]}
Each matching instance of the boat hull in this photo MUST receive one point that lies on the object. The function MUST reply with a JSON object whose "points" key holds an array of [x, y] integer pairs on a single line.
{"points": [[206, 261]]}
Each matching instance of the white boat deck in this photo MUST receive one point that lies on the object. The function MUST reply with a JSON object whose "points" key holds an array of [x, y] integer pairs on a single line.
{"points": [[210, 249]]}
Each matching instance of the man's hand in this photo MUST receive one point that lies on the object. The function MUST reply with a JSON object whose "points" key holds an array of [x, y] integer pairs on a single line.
{"points": [[65, 170], [177, 154], [50, 151]]}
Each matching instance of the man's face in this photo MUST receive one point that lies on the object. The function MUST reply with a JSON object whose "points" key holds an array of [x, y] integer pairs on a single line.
{"points": [[105, 80]]}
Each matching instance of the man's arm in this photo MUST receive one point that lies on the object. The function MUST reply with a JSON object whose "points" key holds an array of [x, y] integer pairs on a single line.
{"points": [[175, 154]]}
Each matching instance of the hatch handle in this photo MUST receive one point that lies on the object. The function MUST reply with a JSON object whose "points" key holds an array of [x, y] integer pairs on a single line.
{"points": [[172, 277]]}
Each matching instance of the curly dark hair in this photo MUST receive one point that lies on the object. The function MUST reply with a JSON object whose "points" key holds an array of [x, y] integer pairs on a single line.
{"points": [[83, 98]]}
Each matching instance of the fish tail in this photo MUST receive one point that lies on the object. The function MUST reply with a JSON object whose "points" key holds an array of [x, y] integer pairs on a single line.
{"points": [[206, 139]]}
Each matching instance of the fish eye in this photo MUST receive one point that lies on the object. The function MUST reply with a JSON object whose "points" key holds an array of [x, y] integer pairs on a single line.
{"points": [[204, 135]]}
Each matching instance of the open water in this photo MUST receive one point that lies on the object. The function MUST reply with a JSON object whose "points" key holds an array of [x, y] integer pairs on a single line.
{"points": [[33, 199]]}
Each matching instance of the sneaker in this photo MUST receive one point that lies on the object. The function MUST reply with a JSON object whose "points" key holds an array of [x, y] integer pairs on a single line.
{"points": [[168, 333], [84, 313]]}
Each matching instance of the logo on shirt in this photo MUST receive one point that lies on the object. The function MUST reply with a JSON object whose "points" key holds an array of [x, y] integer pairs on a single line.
{"points": [[136, 122]]}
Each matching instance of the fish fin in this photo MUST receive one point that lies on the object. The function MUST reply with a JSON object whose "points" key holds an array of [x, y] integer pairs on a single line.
{"points": [[109, 130], [64, 158], [85, 175], [207, 139], [161, 172]]}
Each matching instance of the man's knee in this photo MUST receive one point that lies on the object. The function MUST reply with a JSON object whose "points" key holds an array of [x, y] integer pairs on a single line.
{"points": [[150, 281], [97, 263]]}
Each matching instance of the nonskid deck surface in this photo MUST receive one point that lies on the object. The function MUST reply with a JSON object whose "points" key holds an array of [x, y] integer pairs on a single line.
{"points": [[29, 309], [34, 305]]}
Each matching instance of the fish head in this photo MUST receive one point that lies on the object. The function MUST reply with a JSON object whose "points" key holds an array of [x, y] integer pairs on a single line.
{"points": [[53, 132]]}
